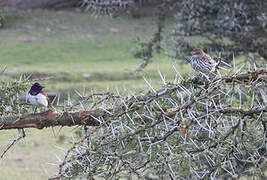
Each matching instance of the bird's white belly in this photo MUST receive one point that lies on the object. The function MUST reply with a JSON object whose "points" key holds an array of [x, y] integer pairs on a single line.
{"points": [[38, 100]]}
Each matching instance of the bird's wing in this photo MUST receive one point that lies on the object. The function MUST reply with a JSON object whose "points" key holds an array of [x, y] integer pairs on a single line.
{"points": [[196, 62], [202, 64], [44, 93], [194, 58]]}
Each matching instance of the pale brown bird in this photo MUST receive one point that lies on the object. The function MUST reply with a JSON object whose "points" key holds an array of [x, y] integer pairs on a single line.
{"points": [[202, 62]]}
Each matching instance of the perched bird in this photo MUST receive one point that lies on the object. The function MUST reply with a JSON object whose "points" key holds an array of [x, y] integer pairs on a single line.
{"points": [[37, 96], [202, 62]]}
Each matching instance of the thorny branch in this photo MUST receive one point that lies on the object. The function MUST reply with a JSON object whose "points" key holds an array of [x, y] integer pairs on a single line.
{"points": [[88, 117], [187, 129], [13, 143]]}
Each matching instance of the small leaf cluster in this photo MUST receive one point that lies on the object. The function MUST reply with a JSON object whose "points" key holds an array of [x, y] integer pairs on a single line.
{"points": [[105, 7], [9, 97]]}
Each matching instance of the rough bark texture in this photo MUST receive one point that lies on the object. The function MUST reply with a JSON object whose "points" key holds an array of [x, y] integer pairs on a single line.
{"points": [[49, 119]]}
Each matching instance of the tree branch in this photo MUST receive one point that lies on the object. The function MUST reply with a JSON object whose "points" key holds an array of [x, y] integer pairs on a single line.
{"points": [[49, 119], [94, 117], [246, 77]]}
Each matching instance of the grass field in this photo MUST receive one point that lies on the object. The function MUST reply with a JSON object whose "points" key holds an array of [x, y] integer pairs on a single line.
{"points": [[67, 46]]}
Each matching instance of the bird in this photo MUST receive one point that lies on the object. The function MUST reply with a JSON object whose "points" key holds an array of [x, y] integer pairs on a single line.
{"points": [[202, 62], [37, 96]]}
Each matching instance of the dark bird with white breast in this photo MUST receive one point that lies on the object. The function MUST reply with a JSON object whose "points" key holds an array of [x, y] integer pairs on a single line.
{"points": [[37, 96]]}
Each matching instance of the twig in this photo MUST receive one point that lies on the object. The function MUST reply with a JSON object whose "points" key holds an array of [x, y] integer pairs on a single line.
{"points": [[13, 143], [3, 70]]}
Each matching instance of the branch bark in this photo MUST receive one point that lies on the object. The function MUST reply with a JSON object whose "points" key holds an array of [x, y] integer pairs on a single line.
{"points": [[247, 77], [49, 119]]}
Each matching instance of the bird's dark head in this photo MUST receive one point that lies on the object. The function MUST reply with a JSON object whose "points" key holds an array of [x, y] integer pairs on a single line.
{"points": [[36, 89], [197, 51]]}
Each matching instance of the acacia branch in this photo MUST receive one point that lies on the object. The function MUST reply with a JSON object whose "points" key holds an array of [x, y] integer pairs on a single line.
{"points": [[246, 77], [95, 117], [245, 112], [50, 119]]}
